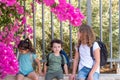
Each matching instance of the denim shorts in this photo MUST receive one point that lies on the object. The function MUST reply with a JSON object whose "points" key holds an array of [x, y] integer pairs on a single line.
{"points": [[84, 72]]}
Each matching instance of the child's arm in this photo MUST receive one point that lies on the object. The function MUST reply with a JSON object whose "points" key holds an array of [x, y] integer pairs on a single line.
{"points": [[75, 64], [45, 68], [66, 68], [39, 65]]}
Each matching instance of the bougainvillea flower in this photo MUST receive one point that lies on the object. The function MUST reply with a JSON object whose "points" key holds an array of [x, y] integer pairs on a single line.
{"points": [[10, 2], [49, 2], [8, 61]]}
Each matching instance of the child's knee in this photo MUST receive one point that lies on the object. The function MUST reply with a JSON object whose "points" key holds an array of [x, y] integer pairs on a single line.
{"points": [[35, 78]]}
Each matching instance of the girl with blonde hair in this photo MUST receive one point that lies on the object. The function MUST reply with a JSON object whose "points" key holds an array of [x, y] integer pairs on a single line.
{"points": [[88, 68]]}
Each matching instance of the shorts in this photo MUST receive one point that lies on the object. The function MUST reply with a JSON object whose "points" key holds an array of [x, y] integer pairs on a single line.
{"points": [[84, 72], [58, 75], [24, 74]]}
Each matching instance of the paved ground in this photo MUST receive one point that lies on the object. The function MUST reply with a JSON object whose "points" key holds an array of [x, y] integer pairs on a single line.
{"points": [[102, 77]]}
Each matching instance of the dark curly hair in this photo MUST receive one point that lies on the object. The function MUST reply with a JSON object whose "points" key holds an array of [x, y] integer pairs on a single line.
{"points": [[56, 41], [26, 44]]}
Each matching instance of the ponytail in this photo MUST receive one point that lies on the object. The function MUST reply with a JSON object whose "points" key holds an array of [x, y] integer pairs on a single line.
{"points": [[26, 44], [30, 47]]}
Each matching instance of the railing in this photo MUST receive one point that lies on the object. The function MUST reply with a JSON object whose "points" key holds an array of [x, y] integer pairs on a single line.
{"points": [[89, 21]]}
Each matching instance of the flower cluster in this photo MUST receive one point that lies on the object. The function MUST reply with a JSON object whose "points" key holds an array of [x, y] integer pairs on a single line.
{"points": [[65, 11], [8, 2], [68, 12], [12, 21], [8, 61], [12, 12]]}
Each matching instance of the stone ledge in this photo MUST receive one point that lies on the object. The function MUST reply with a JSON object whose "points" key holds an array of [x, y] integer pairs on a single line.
{"points": [[102, 77]]}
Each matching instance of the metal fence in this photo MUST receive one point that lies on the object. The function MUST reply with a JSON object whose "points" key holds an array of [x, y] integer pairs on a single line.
{"points": [[89, 20]]}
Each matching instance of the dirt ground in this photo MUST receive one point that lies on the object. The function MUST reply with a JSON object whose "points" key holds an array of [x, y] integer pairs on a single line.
{"points": [[107, 69]]}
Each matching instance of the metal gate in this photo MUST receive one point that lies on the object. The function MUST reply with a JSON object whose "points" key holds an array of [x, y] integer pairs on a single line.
{"points": [[86, 5]]}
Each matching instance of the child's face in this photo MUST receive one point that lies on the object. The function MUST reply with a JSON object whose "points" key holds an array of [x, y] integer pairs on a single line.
{"points": [[56, 48], [23, 51]]}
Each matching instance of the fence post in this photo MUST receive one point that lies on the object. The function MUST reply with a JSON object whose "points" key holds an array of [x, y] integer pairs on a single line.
{"points": [[89, 12]]}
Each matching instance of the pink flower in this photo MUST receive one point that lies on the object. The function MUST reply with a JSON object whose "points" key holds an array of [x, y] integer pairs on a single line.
{"points": [[49, 2], [6, 29], [62, 1], [66, 11], [3, 1], [33, 7], [10, 2], [8, 61], [19, 8], [24, 20], [38, 1], [31, 36], [0, 12], [0, 37], [29, 29], [10, 15]]}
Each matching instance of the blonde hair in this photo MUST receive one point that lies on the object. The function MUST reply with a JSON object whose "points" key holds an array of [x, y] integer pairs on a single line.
{"points": [[87, 35]]}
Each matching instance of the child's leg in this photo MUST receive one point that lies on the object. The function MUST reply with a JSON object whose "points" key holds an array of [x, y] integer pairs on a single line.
{"points": [[33, 76], [19, 77]]}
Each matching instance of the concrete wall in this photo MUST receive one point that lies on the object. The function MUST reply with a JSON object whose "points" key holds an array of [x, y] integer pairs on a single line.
{"points": [[102, 77]]}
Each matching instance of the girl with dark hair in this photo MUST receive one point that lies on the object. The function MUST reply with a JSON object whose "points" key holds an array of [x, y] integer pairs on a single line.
{"points": [[26, 58]]}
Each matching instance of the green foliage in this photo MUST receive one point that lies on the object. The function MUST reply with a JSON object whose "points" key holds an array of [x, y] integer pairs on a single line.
{"points": [[5, 18], [106, 24]]}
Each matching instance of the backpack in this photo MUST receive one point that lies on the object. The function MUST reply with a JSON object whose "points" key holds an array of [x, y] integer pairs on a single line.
{"points": [[103, 53], [34, 64], [66, 57]]}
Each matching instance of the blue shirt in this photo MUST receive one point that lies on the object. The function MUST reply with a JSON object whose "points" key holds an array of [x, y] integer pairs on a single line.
{"points": [[25, 63]]}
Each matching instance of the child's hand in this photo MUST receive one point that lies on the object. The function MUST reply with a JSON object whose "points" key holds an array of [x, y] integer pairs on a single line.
{"points": [[90, 77], [44, 74], [72, 77], [40, 73]]}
